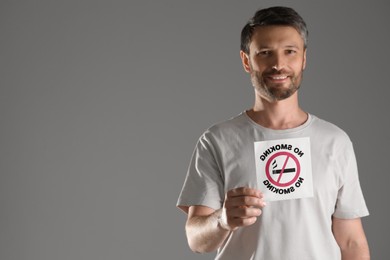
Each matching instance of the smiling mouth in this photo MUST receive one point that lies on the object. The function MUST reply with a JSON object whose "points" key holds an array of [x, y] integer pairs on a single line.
{"points": [[279, 77]]}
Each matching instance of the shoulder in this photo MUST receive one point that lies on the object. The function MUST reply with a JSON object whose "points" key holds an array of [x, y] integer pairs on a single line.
{"points": [[330, 132], [230, 128], [229, 133]]}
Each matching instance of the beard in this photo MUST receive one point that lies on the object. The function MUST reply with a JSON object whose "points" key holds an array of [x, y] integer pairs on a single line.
{"points": [[276, 91]]}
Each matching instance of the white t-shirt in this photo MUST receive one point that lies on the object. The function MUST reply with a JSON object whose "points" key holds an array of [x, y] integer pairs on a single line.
{"points": [[296, 229]]}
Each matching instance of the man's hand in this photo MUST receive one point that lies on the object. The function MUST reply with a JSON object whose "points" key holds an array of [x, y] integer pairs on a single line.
{"points": [[241, 208], [207, 228]]}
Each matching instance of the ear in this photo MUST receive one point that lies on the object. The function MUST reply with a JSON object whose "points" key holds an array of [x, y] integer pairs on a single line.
{"points": [[304, 60], [245, 61]]}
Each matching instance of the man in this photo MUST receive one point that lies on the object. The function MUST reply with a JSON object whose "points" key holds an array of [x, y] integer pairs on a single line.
{"points": [[222, 195]]}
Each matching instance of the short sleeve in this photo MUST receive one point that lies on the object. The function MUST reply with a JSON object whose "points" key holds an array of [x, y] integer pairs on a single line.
{"points": [[204, 183], [350, 201]]}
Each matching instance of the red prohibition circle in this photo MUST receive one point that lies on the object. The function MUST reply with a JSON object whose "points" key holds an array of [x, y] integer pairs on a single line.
{"points": [[280, 184]]}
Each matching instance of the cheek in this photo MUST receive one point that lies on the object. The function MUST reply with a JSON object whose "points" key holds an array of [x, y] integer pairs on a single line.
{"points": [[257, 64], [259, 68], [298, 65]]}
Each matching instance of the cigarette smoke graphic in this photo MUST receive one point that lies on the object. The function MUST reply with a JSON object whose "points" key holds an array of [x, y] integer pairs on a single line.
{"points": [[287, 170]]}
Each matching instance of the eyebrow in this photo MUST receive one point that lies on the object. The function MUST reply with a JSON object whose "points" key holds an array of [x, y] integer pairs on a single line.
{"points": [[286, 46], [292, 46]]}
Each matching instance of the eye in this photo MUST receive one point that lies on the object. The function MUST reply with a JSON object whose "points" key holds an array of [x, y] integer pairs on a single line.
{"points": [[264, 53], [291, 52]]}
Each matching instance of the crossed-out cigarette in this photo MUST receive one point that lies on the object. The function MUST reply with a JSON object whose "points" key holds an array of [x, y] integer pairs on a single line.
{"points": [[286, 170]]}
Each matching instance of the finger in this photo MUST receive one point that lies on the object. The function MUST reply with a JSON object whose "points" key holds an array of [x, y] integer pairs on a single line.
{"points": [[244, 191], [247, 201], [243, 212], [242, 222]]}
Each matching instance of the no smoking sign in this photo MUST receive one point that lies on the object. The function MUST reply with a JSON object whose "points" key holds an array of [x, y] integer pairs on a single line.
{"points": [[283, 168]]}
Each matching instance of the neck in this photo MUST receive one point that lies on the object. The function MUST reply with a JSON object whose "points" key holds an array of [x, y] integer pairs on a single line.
{"points": [[278, 115]]}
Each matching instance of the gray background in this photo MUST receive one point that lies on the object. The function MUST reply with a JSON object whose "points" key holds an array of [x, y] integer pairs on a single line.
{"points": [[101, 103]]}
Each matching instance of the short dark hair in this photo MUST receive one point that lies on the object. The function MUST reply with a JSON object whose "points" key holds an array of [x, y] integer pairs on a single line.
{"points": [[277, 15]]}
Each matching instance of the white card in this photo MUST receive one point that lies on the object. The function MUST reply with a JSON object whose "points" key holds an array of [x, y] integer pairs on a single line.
{"points": [[283, 168]]}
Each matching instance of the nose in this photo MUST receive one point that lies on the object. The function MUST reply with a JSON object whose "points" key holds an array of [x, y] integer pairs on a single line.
{"points": [[278, 62]]}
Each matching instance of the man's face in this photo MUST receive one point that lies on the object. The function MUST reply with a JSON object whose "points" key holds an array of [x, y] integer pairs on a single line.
{"points": [[276, 61]]}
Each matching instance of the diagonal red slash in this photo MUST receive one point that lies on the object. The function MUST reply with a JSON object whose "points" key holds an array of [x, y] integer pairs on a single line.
{"points": [[284, 166], [297, 169]]}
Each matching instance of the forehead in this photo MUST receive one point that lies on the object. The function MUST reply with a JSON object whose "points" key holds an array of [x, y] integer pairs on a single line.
{"points": [[272, 35]]}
